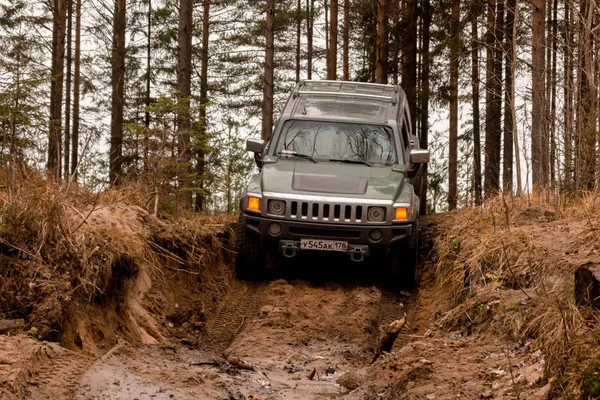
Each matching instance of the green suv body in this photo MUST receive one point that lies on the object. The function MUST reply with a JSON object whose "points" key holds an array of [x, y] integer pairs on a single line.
{"points": [[341, 173]]}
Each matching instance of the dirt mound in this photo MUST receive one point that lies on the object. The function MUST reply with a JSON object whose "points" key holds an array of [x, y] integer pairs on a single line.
{"points": [[501, 276], [89, 275]]}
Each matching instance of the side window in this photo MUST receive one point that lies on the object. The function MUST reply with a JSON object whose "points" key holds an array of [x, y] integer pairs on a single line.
{"points": [[406, 127], [407, 119], [405, 131]]}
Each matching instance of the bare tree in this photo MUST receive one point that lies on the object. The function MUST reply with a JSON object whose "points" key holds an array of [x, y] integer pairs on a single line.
{"points": [[475, 10], [409, 57], [493, 112], [184, 84], [76, 90], [424, 103], [118, 92], [310, 9], [538, 100], [298, 33], [267, 109], [203, 102], [67, 151], [453, 138], [381, 61], [507, 171], [333, 41], [59, 20], [346, 42]]}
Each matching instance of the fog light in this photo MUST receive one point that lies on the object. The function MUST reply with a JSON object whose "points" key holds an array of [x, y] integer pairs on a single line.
{"points": [[375, 235], [274, 229]]}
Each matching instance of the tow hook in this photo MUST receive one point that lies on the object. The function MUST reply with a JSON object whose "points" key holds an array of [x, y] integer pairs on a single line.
{"points": [[289, 248], [358, 252]]}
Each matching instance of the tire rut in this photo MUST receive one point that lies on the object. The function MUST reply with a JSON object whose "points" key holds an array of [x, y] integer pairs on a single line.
{"points": [[392, 306], [59, 377], [242, 302]]}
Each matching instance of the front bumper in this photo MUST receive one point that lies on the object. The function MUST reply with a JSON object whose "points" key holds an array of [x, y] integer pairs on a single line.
{"points": [[358, 237]]}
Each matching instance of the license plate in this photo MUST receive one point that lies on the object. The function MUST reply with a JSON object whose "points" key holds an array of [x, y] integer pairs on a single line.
{"points": [[327, 245]]}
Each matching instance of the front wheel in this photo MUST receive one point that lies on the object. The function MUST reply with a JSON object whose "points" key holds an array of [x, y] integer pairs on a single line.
{"points": [[402, 261], [250, 259]]}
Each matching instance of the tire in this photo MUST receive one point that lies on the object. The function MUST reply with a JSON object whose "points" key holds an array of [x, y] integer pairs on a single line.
{"points": [[250, 259], [402, 261]]}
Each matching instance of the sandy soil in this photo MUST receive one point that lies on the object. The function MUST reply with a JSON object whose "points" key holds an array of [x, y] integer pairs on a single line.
{"points": [[291, 337], [296, 340]]}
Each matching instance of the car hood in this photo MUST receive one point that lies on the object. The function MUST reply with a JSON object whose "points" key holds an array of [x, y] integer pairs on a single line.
{"points": [[332, 179]]}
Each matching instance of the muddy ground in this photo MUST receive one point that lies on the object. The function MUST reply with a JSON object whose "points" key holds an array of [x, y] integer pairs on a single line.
{"points": [[303, 333]]}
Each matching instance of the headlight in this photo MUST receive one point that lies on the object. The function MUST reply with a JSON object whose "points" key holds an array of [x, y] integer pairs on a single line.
{"points": [[254, 203], [276, 207], [376, 214]]}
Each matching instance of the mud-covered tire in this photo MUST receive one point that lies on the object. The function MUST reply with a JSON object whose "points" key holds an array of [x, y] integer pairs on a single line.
{"points": [[250, 258], [402, 261]]}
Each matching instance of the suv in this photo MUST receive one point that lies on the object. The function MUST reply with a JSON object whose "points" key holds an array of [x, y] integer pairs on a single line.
{"points": [[341, 173]]}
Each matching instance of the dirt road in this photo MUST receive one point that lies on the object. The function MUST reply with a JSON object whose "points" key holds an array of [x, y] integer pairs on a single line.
{"points": [[279, 339], [302, 333]]}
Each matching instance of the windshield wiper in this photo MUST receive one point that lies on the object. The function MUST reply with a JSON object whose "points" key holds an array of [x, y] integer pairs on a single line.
{"points": [[350, 161], [294, 154]]}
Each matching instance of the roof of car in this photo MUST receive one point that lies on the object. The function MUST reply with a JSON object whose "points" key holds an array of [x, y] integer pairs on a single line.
{"points": [[346, 100]]}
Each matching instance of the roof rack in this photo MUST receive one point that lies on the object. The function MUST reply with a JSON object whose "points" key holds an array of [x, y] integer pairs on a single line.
{"points": [[393, 99], [302, 82]]}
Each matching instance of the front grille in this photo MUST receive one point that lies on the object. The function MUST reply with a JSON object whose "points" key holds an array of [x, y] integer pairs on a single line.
{"points": [[325, 233], [311, 211]]}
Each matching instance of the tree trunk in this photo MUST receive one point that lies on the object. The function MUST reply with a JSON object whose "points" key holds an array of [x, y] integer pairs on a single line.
{"points": [[453, 139], [59, 19], [394, 37], [409, 58], [118, 86], [538, 99], [184, 84], [382, 43], [298, 33], [587, 100], [507, 176], [76, 91], [346, 44], [310, 8], [148, 85], [568, 96], [267, 110], [476, 119], [547, 88], [512, 100], [327, 61], [424, 134], [554, 82], [203, 104], [333, 40], [67, 141], [493, 133]]}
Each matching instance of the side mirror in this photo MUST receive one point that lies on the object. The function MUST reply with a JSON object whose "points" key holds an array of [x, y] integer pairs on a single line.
{"points": [[419, 156], [255, 145]]}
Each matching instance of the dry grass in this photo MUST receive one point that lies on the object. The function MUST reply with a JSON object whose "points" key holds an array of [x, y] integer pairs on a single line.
{"points": [[507, 268], [61, 245]]}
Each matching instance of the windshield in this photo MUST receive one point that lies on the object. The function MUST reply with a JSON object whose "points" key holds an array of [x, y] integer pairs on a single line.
{"points": [[336, 141]]}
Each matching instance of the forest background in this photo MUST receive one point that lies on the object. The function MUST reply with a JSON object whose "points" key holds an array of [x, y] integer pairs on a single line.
{"points": [[162, 94]]}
